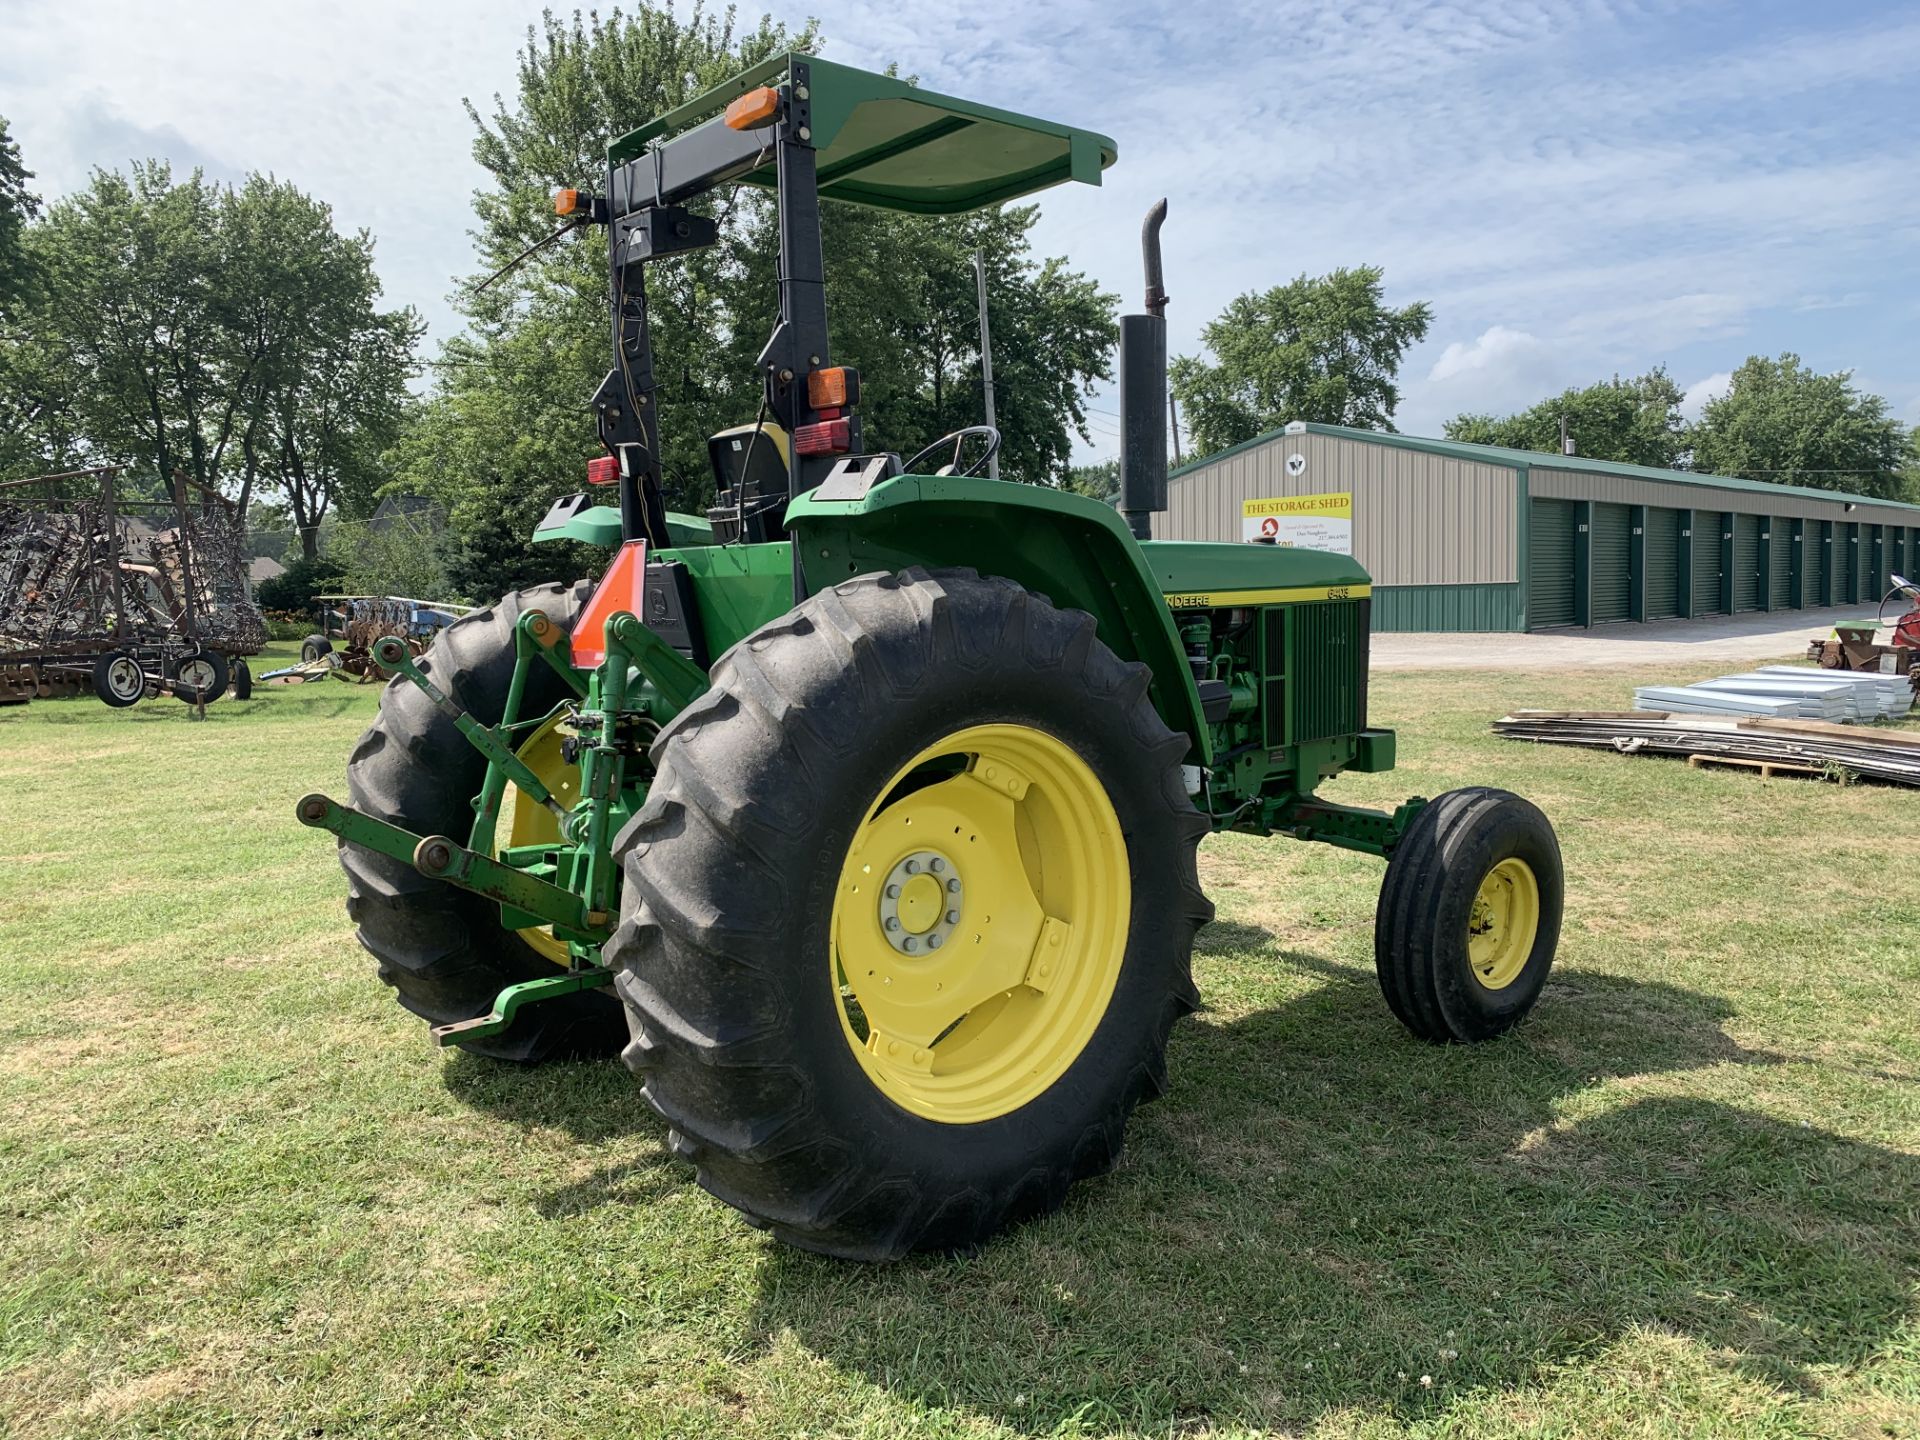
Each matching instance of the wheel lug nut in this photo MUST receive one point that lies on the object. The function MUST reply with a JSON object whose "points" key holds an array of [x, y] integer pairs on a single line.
{"points": [[892, 924], [933, 943], [912, 944], [953, 886], [893, 892], [953, 917], [913, 867], [936, 865]]}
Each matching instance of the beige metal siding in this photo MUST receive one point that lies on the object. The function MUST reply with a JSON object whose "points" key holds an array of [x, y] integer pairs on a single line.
{"points": [[1418, 519], [1631, 490]]}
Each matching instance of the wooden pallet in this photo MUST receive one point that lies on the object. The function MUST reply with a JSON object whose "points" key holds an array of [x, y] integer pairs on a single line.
{"points": [[1767, 768]]}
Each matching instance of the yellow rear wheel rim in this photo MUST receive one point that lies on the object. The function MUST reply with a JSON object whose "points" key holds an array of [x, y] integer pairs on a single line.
{"points": [[980, 923], [525, 823], [1504, 924]]}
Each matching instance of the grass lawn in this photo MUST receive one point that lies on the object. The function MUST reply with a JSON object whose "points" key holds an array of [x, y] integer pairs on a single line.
{"points": [[241, 1194]]}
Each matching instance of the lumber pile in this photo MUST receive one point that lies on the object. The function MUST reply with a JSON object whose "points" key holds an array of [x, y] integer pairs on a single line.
{"points": [[1816, 746]]}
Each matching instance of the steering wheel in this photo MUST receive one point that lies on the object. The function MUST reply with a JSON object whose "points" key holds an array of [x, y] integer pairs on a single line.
{"points": [[957, 438]]}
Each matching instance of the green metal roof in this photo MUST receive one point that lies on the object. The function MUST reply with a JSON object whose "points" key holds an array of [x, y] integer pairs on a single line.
{"points": [[1544, 460], [882, 142]]}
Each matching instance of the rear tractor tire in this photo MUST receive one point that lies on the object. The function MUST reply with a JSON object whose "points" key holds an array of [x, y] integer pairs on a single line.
{"points": [[909, 914], [1469, 916], [442, 949]]}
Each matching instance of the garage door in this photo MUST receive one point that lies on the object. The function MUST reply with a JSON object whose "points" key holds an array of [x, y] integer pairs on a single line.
{"points": [[1846, 543], [1550, 564], [1780, 564], [1898, 550], [1746, 563], [1814, 587], [1612, 585], [1663, 564], [1706, 562], [1876, 559]]}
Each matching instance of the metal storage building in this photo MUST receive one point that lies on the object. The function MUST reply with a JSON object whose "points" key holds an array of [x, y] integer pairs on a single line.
{"points": [[1476, 537]]}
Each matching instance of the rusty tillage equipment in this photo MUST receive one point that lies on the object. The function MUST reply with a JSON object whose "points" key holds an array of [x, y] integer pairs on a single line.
{"points": [[124, 597]]}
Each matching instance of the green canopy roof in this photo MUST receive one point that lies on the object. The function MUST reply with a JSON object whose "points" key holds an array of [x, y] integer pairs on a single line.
{"points": [[880, 141]]}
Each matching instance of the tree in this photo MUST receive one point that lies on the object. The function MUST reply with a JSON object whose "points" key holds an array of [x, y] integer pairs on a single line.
{"points": [[400, 555], [231, 334], [1324, 348], [293, 589], [1098, 482], [1635, 421], [507, 429], [1780, 421], [18, 205]]}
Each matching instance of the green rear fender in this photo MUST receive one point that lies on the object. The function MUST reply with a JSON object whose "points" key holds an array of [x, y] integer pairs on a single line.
{"points": [[1073, 550]]}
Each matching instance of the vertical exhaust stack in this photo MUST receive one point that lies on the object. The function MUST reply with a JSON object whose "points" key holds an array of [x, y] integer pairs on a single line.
{"points": [[1143, 393]]}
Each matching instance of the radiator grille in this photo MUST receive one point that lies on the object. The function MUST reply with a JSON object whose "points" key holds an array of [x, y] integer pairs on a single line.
{"points": [[1316, 671]]}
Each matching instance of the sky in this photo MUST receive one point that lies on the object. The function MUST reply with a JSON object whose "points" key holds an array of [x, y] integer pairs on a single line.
{"points": [[1578, 187]]}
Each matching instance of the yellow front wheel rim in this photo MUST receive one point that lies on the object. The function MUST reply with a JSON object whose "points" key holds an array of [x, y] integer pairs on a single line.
{"points": [[980, 923], [1504, 924], [525, 823]]}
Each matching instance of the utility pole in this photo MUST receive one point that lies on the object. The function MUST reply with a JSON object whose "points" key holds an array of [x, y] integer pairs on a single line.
{"points": [[986, 355]]}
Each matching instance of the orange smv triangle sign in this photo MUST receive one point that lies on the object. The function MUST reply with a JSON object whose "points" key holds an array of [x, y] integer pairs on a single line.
{"points": [[623, 587]]}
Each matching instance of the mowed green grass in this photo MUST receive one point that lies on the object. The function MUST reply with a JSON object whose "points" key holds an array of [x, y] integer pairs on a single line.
{"points": [[241, 1194]]}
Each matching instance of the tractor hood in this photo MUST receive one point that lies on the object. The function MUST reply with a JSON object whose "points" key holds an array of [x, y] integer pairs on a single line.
{"points": [[1202, 575]]}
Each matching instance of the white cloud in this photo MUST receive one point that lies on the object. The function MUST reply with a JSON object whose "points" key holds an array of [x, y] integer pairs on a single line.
{"points": [[1500, 370], [1694, 401], [1578, 189], [1497, 348]]}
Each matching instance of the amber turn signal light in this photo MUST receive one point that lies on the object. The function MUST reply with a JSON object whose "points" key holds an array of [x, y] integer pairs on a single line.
{"points": [[834, 388], [753, 109], [568, 202]]}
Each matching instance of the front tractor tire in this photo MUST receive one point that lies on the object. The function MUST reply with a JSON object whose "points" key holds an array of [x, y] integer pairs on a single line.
{"points": [[908, 914], [443, 949], [1469, 916]]}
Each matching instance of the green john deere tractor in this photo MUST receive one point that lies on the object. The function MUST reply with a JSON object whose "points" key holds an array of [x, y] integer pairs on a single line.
{"points": [[862, 813]]}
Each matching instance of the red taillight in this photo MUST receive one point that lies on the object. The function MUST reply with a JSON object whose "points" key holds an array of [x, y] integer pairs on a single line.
{"points": [[829, 437], [604, 471]]}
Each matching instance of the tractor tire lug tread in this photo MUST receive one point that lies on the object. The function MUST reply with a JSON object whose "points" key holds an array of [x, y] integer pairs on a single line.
{"points": [[443, 949], [729, 1007]]}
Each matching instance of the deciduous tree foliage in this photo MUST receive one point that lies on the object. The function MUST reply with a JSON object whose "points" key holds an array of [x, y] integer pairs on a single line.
{"points": [[1783, 422], [1635, 421], [1321, 348], [507, 429], [232, 334], [18, 205]]}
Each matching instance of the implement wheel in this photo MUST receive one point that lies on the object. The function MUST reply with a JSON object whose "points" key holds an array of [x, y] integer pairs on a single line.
{"points": [[1469, 916], [118, 679], [908, 914], [443, 949], [199, 678]]}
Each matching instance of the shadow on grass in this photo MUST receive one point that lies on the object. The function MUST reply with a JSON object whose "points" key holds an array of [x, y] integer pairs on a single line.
{"points": [[593, 1101], [1323, 1210]]}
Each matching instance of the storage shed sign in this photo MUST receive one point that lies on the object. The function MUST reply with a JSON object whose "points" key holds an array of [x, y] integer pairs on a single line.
{"points": [[1304, 522]]}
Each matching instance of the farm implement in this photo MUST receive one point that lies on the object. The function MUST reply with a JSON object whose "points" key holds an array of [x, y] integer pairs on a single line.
{"points": [[861, 813], [127, 597]]}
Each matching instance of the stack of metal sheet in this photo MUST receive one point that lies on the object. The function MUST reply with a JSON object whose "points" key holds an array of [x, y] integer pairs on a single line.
{"points": [[1837, 751], [1699, 700], [1880, 694], [1786, 691]]}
